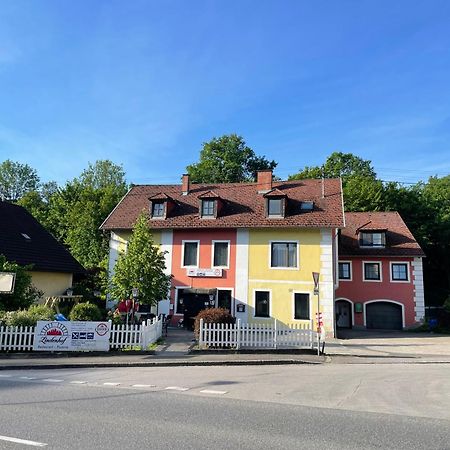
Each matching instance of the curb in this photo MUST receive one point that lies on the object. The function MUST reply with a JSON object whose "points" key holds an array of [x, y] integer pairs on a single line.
{"points": [[182, 363]]}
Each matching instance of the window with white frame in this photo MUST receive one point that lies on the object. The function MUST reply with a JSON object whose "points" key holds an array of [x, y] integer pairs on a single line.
{"points": [[157, 209], [399, 272], [372, 239], [190, 254], [220, 253], [262, 304], [301, 306], [372, 271], [345, 271], [275, 207], [283, 254], [208, 208]]}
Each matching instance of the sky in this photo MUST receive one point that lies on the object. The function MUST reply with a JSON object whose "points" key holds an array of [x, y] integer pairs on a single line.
{"points": [[145, 83]]}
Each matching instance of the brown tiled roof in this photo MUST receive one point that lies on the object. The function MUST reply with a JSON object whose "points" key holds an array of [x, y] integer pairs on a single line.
{"points": [[275, 193], [209, 194], [243, 206], [399, 240], [25, 241]]}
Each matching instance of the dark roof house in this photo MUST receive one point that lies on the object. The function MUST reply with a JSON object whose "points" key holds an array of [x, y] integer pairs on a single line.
{"points": [[25, 241]]}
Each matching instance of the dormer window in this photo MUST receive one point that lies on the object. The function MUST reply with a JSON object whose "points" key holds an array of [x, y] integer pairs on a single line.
{"points": [[158, 209], [208, 208], [372, 239], [160, 206], [275, 206]]}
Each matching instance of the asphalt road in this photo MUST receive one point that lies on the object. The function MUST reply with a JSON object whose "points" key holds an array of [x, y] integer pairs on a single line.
{"points": [[239, 407]]}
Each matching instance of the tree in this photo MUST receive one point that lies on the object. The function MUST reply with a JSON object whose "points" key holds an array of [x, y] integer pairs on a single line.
{"points": [[142, 267], [76, 211], [25, 294], [227, 159], [16, 179]]}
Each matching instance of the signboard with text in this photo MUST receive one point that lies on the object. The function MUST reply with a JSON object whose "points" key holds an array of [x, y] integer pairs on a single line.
{"points": [[197, 272], [71, 336]]}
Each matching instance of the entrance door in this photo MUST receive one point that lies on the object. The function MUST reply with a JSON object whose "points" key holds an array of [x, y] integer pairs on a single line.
{"points": [[193, 304], [224, 299], [343, 314]]}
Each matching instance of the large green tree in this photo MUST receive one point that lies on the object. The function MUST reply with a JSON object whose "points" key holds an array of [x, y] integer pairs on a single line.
{"points": [[142, 266], [227, 159], [16, 179]]}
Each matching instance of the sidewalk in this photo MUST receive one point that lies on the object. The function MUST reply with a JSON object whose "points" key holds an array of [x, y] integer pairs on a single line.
{"points": [[175, 351]]}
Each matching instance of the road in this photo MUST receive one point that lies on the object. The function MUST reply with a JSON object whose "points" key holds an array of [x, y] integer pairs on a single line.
{"points": [[327, 406]]}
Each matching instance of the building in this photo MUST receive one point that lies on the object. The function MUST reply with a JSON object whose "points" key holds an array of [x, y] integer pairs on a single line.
{"points": [[380, 273], [249, 247], [25, 241]]}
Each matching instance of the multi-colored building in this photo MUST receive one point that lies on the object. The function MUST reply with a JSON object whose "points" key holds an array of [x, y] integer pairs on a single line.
{"points": [[249, 247], [380, 273], [253, 248]]}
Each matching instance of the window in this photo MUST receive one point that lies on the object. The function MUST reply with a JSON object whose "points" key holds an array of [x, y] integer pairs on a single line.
{"points": [[220, 254], [399, 272], [180, 301], [301, 306], [275, 207], [262, 304], [157, 209], [208, 207], [284, 254], [345, 271], [372, 271], [372, 239], [190, 253]]}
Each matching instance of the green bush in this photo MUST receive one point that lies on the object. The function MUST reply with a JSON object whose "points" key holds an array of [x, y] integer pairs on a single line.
{"points": [[85, 311], [213, 315], [27, 317]]}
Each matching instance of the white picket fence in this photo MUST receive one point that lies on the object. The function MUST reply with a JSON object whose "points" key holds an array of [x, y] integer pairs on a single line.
{"points": [[247, 335], [122, 336]]}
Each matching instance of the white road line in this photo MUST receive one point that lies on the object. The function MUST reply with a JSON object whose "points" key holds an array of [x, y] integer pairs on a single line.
{"points": [[143, 385], [27, 378], [52, 380], [78, 382], [5, 376], [111, 384], [211, 391], [23, 441], [176, 388]]}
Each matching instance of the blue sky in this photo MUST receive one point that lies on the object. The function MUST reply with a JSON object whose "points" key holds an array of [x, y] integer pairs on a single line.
{"points": [[145, 83]]}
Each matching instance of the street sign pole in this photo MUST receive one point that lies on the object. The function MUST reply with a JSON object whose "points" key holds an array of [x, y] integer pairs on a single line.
{"points": [[316, 276]]}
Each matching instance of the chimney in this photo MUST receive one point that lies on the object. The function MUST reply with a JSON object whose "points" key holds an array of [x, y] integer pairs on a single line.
{"points": [[185, 184], [264, 181]]}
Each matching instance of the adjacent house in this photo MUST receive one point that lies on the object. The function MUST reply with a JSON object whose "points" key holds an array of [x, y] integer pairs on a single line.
{"points": [[248, 247], [25, 241], [380, 273]]}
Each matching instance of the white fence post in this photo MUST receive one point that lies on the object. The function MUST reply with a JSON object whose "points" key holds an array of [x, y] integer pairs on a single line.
{"points": [[275, 334], [238, 334], [200, 334]]}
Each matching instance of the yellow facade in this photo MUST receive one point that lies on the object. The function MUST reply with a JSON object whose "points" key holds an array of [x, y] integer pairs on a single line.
{"points": [[51, 283], [283, 283], [122, 237]]}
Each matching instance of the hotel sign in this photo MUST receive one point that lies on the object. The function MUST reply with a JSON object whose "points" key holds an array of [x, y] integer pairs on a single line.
{"points": [[197, 272]]}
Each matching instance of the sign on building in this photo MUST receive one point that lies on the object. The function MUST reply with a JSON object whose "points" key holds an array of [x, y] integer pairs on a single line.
{"points": [[197, 272], [71, 336]]}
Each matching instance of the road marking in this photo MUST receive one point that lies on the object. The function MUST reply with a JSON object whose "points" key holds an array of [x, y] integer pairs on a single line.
{"points": [[143, 385], [212, 391], [78, 382], [27, 378], [23, 441], [52, 380], [5, 376], [176, 388], [111, 384]]}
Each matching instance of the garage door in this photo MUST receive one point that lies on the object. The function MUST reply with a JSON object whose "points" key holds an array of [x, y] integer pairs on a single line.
{"points": [[384, 316]]}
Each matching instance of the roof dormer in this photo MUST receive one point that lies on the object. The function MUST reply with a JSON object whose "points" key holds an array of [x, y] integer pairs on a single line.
{"points": [[372, 238], [161, 206], [276, 203], [210, 205]]}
